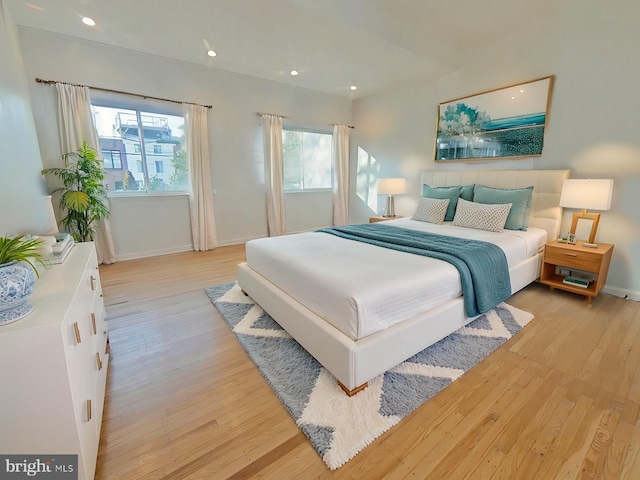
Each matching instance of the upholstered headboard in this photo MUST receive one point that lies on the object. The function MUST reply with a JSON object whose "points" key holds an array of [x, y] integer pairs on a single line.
{"points": [[547, 185]]}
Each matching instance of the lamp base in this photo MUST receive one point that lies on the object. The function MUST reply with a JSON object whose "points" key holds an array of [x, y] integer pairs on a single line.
{"points": [[389, 210]]}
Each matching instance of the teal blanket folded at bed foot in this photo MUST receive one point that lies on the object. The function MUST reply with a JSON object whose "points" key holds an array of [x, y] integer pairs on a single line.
{"points": [[483, 268]]}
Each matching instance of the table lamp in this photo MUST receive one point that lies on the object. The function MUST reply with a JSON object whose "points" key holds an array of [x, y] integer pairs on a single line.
{"points": [[587, 194], [391, 187]]}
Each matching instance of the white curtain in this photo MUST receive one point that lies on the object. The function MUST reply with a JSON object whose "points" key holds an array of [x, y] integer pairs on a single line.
{"points": [[75, 124], [340, 159], [274, 173], [203, 224]]}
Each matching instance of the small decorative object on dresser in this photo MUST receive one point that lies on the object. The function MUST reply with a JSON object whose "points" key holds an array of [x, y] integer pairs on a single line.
{"points": [[570, 267]]}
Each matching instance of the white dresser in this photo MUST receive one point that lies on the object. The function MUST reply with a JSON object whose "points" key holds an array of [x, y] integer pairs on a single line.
{"points": [[53, 366]]}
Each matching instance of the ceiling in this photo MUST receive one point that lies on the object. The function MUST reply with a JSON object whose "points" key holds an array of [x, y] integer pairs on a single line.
{"points": [[373, 44]]}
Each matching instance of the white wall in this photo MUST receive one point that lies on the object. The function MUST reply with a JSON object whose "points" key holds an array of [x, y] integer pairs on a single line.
{"points": [[23, 206], [591, 48], [235, 137]]}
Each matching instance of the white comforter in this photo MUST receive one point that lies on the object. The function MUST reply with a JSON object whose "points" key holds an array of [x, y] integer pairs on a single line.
{"points": [[361, 288]]}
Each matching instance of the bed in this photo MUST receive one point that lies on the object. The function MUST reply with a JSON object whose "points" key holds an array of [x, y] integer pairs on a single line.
{"points": [[361, 309]]}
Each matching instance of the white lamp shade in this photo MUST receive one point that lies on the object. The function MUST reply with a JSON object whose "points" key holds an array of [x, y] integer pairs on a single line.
{"points": [[392, 186], [588, 194]]}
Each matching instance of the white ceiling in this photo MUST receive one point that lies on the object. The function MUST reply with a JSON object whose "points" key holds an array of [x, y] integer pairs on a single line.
{"points": [[374, 44]]}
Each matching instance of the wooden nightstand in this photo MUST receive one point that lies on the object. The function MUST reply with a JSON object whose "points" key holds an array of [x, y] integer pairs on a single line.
{"points": [[576, 257], [382, 219]]}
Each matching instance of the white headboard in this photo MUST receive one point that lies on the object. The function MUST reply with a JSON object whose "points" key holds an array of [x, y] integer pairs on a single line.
{"points": [[547, 185]]}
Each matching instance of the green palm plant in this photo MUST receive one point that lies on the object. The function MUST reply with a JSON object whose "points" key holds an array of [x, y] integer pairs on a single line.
{"points": [[83, 196], [20, 249]]}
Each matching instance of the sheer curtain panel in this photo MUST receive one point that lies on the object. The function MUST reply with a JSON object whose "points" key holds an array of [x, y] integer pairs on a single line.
{"points": [[75, 125], [340, 158], [274, 171], [203, 224]]}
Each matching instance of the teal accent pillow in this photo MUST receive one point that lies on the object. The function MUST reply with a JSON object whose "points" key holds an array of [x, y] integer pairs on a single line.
{"points": [[452, 193], [518, 218], [467, 192]]}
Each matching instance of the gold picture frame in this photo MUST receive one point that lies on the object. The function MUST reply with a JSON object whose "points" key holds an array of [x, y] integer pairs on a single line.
{"points": [[507, 122], [595, 220]]}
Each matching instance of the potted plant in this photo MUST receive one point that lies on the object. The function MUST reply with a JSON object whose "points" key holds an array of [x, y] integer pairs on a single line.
{"points": [[18, 256], [83, 196]]}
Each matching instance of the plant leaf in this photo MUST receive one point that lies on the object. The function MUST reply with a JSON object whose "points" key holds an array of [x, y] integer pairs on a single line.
{"points": [[78, 201]]}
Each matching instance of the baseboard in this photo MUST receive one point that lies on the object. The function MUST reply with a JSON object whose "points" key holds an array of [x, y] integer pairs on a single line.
{"points": [[622, 293], [154, 253]]}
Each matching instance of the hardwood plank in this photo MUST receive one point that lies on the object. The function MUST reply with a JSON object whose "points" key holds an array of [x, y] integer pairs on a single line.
{"points": [[559, 400]]}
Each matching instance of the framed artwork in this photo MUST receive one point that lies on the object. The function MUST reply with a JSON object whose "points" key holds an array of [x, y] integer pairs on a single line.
{"points": [[507, 122]]}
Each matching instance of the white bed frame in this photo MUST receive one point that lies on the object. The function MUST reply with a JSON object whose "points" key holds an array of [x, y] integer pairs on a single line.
{"points": [[355, 362]]}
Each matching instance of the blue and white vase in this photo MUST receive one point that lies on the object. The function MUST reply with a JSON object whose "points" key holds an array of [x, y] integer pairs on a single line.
{"points": [[17, 280]]}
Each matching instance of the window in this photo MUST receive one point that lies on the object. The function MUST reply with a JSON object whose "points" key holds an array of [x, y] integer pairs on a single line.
{"points": [[111, 158], [307, 160], [142, 151]]}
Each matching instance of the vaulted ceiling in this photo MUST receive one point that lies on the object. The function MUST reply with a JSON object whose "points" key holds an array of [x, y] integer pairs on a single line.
{"points": [[333, 44]]}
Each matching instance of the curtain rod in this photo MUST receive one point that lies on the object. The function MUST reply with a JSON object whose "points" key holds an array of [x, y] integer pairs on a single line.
{"points": [[272, 114], [39, 80], [282, 116]]}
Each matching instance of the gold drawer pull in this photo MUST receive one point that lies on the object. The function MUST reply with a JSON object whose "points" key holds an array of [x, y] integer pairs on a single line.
{"points": [[571, 254], [99, 360], [93, 323], [76, 330], [88, 410], [93, 282]]}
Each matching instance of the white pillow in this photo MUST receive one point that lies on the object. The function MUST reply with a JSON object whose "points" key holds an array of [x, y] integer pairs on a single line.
{"points": [[483, 216], [431, 210]]}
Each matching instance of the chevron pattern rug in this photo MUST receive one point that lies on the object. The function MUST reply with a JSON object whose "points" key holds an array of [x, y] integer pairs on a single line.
{"points": [[339, 426]]}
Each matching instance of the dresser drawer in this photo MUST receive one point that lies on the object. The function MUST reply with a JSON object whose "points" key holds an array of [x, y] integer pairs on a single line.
{"points": [[578, 259]]}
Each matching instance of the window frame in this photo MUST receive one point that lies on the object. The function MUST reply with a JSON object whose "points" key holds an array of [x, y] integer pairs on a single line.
{"points": [[308, 130]]}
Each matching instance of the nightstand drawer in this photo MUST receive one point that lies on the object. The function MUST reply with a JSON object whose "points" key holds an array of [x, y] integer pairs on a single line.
{"points": [[573, 258]]}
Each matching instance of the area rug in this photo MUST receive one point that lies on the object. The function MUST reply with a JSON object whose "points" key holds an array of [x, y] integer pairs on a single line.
{"points": [[339, 426]]}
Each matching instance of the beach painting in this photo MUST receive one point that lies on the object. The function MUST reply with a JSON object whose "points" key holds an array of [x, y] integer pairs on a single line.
{"points": [[505, 122]]}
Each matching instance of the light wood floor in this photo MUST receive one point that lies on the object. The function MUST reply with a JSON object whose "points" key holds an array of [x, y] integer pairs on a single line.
{"points": [[559, 400]]}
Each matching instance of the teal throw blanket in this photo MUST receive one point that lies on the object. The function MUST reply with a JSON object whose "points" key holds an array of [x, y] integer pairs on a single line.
{"points": [[482, 266]]}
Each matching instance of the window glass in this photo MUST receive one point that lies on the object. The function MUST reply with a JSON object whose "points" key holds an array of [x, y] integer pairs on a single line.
{"points": [[149, 144], [307, 160]]}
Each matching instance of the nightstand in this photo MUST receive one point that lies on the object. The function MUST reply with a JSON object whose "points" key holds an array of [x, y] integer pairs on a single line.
{"points": [[576, 257], [382, 219]]}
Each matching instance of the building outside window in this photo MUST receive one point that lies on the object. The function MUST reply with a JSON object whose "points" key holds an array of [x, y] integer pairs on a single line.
{"points": [[149, 143], [307, 160]]}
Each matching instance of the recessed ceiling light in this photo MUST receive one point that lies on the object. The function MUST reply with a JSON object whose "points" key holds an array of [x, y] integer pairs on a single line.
{"points": [[210, 51], [88, 21], [353, 87], [294, 72]]}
